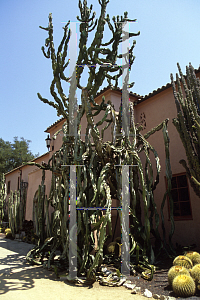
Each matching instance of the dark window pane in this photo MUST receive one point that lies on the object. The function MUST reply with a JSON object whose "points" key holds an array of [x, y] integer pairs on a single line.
{"points": [[174, 184], [182, 181], [180, 196], [8, 188], [174, 194], [183, 194], [176, 209], [185, 209]]}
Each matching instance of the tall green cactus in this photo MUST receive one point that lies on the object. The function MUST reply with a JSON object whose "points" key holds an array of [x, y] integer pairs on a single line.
{"points": [[17, 209], [99, 163], [187, 122], [13, 211], [22, 209], [3, 195], [15, 206]]}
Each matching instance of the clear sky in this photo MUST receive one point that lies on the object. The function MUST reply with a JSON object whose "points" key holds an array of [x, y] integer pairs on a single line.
{"points": [[170, 33]]}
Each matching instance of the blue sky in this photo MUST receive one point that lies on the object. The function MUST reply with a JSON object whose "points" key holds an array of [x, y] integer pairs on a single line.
{"points": [[169, 33]]}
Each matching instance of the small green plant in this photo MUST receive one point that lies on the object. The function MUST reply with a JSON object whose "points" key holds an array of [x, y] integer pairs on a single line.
{"points": [[118, 273]]}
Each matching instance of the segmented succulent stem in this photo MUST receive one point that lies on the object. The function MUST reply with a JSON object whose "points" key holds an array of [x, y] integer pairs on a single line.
{"points": [[187, 122]]}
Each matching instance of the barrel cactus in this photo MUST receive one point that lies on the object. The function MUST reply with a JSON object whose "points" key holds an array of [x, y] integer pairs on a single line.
{"points": [[183, 286], [114, 248], [2, 229], [118, 240], [183, 261], [8, 233], [195, 273], [175, 271], [194, 256]]}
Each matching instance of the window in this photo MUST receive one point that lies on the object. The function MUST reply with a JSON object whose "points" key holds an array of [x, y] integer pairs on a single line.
{"points": [[143, 120], [8, 188], [181, 198], [18, 184]]}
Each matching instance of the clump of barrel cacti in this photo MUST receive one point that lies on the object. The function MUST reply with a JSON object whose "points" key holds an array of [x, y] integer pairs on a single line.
{"points": [[24, 239], [183, 286], [183, 277], [194, 256], [195, 273], [183, 261], [175, 271], [2, 229], [114, 248], [8, 233]]}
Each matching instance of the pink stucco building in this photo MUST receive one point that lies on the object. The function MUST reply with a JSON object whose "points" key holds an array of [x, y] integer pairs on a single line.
{"points": [[150, 110]]}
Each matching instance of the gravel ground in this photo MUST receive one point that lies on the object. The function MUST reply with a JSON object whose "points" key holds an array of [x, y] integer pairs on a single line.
{"points": [[159, 285]]}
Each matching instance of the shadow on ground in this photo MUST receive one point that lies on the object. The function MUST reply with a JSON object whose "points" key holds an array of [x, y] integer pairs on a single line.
{"points": [[16, 274]]}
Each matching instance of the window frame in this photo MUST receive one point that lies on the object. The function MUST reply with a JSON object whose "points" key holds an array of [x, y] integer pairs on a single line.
{"points": [[18, 183], [180, 218], [8, 187]]}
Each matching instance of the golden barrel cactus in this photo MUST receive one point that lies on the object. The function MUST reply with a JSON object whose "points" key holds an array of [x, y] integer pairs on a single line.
{"points": [[194, 256], [8, 233], [114, 248], [183, 261], [195, 273], [183, 286], [175, 271]]}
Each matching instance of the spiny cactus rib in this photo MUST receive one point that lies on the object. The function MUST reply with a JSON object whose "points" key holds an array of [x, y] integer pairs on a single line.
{"points": [[187, 122]]}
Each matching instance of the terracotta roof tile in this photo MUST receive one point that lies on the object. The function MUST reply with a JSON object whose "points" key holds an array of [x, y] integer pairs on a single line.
{"points": [[55, 123]]}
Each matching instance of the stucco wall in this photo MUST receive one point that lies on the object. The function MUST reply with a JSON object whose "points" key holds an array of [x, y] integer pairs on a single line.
{"points": [[157, 109], [33, 176], [34, 180], [56, 143]]}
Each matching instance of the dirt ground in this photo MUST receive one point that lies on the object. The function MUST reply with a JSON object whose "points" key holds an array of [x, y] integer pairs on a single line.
{"points": [[20, 280], [39, 284]]}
